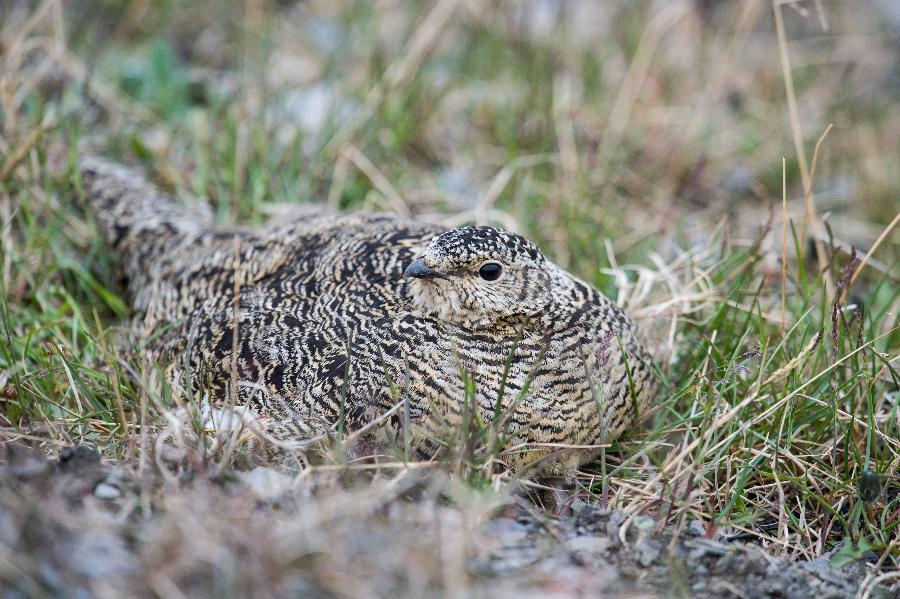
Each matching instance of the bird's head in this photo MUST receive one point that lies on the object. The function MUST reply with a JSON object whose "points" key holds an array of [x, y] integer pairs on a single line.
{"points": [[479, 275]]}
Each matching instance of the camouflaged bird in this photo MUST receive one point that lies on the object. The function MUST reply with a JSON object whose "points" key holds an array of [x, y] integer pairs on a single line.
{"points": [[351, 314]]}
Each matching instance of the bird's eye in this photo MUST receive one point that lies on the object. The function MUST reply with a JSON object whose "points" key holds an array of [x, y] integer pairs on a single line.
{"points": [[490, 271]]}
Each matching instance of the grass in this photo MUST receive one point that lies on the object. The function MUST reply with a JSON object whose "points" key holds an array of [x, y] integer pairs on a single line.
{"points": [[642, 151]]}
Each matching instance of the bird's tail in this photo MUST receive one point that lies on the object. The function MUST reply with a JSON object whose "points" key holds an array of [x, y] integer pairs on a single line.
{"points": [[133, 217]]}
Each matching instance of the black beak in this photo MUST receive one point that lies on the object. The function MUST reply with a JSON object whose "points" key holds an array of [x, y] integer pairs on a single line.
{"points": [[418, 270]]}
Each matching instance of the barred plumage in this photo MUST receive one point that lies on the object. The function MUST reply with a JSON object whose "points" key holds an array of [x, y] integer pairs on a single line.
{"points": [[368, 309]]}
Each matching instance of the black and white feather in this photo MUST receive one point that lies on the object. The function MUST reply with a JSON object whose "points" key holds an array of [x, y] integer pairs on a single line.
{"points": [[345, 307]]}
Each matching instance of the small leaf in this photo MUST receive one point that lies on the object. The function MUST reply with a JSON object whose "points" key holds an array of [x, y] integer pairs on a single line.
{"points": [[849, 553]]}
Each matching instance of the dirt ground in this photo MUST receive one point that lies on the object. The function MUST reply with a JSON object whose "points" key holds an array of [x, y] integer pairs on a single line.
{"points": [[75, 526]]}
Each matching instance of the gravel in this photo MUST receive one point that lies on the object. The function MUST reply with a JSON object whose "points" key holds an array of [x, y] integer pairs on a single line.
{"points": [[80, 527]]}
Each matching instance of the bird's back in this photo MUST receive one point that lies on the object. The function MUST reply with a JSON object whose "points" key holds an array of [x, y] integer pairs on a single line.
{"points": [[175, 259]]}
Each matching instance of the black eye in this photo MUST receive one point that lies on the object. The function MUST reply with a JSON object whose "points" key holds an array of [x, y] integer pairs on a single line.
{"points": [[490, 271]]}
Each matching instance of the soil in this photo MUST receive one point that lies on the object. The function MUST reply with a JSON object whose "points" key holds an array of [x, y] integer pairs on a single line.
{"points": [[78, 527]]}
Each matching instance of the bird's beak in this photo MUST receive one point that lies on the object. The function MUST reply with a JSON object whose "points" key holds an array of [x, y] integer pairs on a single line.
{"points": [[418, 270]]}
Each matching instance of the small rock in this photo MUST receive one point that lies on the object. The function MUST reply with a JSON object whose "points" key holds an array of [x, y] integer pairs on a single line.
{"points": [[615, 521], [25, 462], [80, 471], [695, 529], [648, 551], [266, 484], [101, 556], [589, 544], [9, 528], [73, 459], [739, 179], [578, 505], [117, 476], [703, 547], [507, 531], [107, 491], [821, 567], [589, 518], [696, 553], [171, 455]]}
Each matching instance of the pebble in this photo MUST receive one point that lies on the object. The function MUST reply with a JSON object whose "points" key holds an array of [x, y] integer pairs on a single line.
{"points": [[507, 531], [589, 544], [696, 529], [579, 506], [267, 484], [78, 457], [703, 548], [171, 455], [615, 521], [821, 567], [648, 551], [102, 555], [25, 463], [107, 491]]}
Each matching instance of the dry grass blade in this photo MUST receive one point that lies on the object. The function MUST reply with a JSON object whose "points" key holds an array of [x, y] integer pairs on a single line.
{"points": [[868, 256], [24, 147], [395, 200]]}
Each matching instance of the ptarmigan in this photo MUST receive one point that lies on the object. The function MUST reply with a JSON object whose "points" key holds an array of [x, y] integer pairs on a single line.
{"points": [[341, 317]]}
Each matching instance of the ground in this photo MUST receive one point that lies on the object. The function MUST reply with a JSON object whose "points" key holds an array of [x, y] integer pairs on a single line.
{"points": [[76, 529], [726, 171]]}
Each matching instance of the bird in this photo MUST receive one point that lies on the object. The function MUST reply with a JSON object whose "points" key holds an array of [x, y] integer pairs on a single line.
{"points": [[329, 322]]}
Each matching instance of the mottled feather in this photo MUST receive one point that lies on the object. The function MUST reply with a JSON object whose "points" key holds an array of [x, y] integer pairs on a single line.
{"points": [[315, 293]]}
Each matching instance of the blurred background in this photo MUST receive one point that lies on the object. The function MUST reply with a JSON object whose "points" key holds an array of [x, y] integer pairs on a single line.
{"points": [[601, 129]]}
